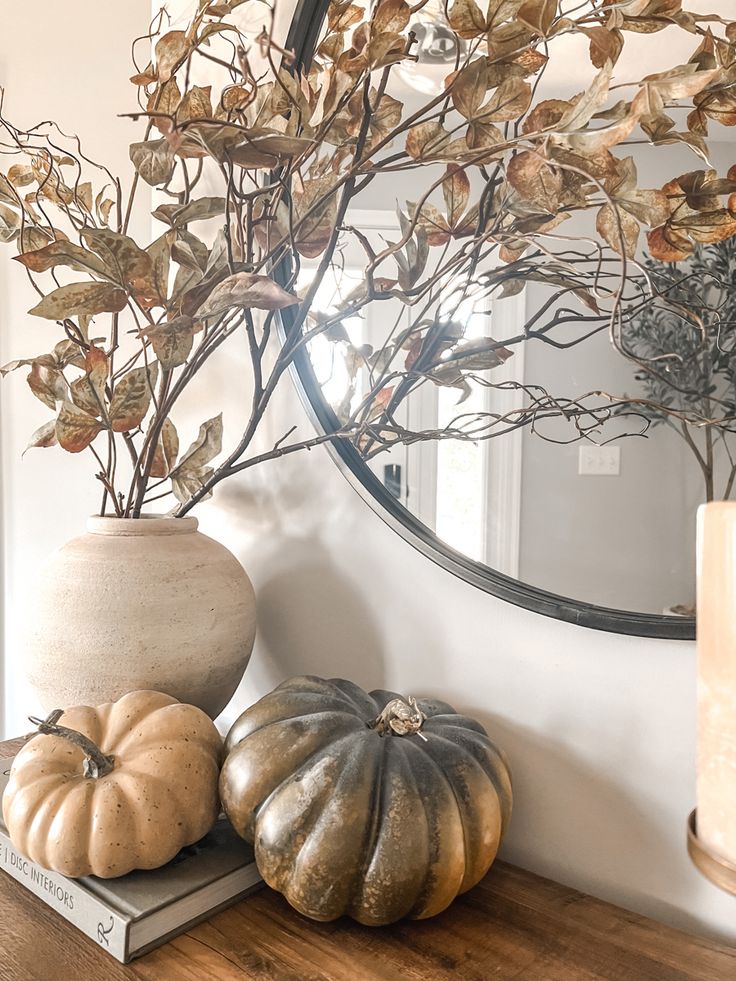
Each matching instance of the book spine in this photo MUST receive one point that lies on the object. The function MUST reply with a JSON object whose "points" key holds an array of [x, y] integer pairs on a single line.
{"points": [[87, 913]]}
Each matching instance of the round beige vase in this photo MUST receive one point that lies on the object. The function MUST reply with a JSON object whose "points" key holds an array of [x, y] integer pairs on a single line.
{"points": [[139, 603]]}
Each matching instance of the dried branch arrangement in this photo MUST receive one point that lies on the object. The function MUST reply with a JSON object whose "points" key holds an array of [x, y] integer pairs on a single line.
{"points": [[256, 172]]}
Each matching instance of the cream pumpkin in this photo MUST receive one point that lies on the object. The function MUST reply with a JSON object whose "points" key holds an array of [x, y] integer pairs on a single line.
{"points": [[122, 786]]}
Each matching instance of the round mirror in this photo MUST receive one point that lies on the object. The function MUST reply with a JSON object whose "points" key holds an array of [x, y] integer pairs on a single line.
{"points": [[550, 450]]}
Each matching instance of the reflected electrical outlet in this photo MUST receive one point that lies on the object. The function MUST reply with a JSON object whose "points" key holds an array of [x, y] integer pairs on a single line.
{"points": [[599, 461]]}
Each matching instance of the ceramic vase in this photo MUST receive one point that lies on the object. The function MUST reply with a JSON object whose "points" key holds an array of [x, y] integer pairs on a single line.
{"points": [[145, 603]]}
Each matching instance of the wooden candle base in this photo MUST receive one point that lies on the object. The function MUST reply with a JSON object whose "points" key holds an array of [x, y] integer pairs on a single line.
{"points": [[712, 866]]}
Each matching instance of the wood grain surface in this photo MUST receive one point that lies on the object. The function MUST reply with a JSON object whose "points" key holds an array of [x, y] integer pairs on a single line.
{"points": [[514, 925]]}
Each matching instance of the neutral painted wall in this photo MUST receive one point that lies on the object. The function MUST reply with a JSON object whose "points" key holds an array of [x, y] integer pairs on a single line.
{"points": [[599, 728]]}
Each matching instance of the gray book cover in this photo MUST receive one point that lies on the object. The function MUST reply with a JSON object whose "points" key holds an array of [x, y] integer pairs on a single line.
{"points": [[139, 911]]}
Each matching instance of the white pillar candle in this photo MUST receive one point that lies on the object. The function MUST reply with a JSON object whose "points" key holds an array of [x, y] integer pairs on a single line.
{"points": [[716, 629]]}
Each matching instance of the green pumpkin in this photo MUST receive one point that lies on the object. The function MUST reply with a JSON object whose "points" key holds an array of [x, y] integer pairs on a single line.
{"points": [[365, 805]]}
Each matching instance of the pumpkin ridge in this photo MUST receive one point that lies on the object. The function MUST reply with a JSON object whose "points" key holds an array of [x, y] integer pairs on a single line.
{"points": [[15, 797], [308, 761], [318, 823], [500, 796], [314, 686], [300, 715], [39, 823], [103, 793], [424, 747], [494, 773], [137, 727], [82, 820], [374, 831], [402, 764]]}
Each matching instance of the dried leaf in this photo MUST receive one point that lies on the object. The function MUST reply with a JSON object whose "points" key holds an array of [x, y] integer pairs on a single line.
{"points": [[47, 383], [456, 191], [178, 215], [246, 290], [391, 15], [131, 398], [44, 436], [85, 299], [88, 392], [539, 15], [75, 429], [196, 103], [154, 161], [167, 450], [427, 140], [469, 87], [172, 341], [127, 264], [536, 180], [171, 50], [9, 224], [63, 253], [466, 19], [191, 472], [619, 229], [669, 245]]}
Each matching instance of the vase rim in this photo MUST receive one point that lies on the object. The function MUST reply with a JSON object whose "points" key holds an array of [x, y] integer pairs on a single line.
{"points": [[145, 525]]}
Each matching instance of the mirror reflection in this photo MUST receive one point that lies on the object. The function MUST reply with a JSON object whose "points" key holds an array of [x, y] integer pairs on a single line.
{"points": [[591, 407]]}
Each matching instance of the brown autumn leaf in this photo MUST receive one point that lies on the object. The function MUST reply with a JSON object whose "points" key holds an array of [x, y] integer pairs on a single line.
{"points": [[63, 253], [469, 87], [619, 229], [509, 101], [47, 383], [391, 15], [196, 103], [44, 436], [478, 354], [456, 191], [467, 20], [131, 398], [75, 429], [246, 290], [669, 245], [154, 161], [539, 15], [342, 16], [681, 82], [81, 299], [170, 52], [172, 341], [545, 115], [192, 471], [167, 450], [180, 215], [427, 140], [159, 252], [536, 180], [605, 45], [9, 224], [88, 392], [315, 204], [126, 263]]}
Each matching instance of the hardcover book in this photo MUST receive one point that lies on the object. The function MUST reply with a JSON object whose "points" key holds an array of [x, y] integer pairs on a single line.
{"points": [[131, 915]]}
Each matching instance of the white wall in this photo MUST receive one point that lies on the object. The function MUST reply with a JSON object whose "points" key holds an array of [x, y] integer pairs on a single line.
{"points": [[599, 728]]}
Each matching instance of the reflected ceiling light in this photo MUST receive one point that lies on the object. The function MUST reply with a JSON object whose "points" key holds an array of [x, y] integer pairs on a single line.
{"points": [[437, 48]]}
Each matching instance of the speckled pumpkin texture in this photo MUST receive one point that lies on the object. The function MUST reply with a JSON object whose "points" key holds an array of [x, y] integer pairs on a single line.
{"points": [[160, 796], [346, 821]]}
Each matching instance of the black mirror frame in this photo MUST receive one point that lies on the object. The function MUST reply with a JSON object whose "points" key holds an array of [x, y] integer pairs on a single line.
{"points": [[302, 38]]}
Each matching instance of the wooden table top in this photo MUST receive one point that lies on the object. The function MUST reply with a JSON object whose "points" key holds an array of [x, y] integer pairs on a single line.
{"points": [[513, 925]]}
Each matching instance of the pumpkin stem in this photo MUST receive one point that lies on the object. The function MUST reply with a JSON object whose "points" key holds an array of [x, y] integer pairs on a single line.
{"points": [[96, 764], [400, 717]]}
